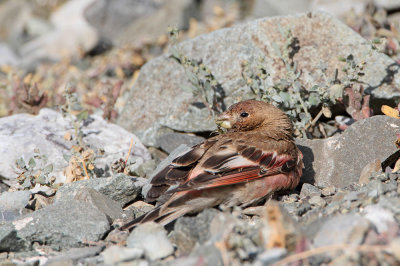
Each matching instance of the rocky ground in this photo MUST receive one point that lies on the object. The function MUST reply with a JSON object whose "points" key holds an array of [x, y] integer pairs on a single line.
{"points": [[90, 110]]}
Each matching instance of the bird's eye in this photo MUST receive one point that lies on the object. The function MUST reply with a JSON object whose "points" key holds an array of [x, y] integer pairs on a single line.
{"points": [[244, 114]]}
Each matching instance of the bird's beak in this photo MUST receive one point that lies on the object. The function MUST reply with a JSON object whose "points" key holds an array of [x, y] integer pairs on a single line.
{"points": [[223, 121]]}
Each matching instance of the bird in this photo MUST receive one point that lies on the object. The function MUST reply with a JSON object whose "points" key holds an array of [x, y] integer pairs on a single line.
{"points": [[254, 158]]}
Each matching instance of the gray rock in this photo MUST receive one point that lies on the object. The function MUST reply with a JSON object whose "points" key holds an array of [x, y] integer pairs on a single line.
{"points": [[308, 190], [152, 238], [317, 201], [137, 209], [191, 230], [15, 200], [339, 160], [381, 218], [73, 255], [138, 21], [71, 34], [109, 207], [170, 141], [120, 188], [353, 195], [270, 256], [22, 133], [6, 216], [157, 94], [146, 168], [368, 170], [328, 191], [392, 204], [339, 8], [61, 225], [341, 229], [116, 254], [268, 8], [387, 4], [8, 57], [175, 153]]}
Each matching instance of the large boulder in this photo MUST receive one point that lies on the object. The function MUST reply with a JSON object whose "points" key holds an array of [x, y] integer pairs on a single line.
{"points": [[157, 102], [339, 160], [21, 134]]}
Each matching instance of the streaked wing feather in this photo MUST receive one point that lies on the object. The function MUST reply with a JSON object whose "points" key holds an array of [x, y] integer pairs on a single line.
{"points": [[237, 165]]}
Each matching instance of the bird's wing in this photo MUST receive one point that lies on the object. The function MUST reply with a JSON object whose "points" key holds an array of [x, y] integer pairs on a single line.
{"points": [[233, 162], [179, 170]]}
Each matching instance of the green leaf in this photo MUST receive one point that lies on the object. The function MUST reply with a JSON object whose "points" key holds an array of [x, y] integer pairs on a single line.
{"points": [[314, 99], [83, 115], [20, 163], [27, 184], [285, 96], [48, 169], [304, 118], [277, 98], [336, 92], [66, 157], [32, 163], [41, 180], [192, 78], [188, 88]]}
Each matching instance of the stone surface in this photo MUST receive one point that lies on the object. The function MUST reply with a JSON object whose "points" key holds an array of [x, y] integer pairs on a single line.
{"points": [[61, 225], [15, 200], [22, 133], [73, 255], [342, 229], [8, 57], [270, 256], [328, 191], [71, 35], [170, 141], [120, 188], [130, 21], [374, 166], [338, 7], [157, 103], [267, 8], [152, 238], [191, 230], [381, 218], [109, 207], [115, 254], [339, 160], [308, 190], [317, 201]]}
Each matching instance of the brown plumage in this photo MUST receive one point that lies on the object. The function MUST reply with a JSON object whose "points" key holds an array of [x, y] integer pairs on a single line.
{"points": [[256, 157]]}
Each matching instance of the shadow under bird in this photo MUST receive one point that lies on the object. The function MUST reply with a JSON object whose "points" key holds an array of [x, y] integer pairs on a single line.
{"points": [[254, 158]]}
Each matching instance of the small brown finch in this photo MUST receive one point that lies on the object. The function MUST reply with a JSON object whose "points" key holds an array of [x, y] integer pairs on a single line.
{"points": [[254, 158]]}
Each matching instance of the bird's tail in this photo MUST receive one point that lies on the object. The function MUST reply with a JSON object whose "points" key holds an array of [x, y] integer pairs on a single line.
{"points": [[159, 215]]}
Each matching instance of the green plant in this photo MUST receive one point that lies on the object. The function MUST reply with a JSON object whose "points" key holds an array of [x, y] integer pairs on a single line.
{"points": [[357, 104], [36, 171], [203, 83], [288, 94], [81, 161]]}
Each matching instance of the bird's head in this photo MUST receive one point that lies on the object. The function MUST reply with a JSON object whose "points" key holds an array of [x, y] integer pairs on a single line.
{"points": [[252, 115]]}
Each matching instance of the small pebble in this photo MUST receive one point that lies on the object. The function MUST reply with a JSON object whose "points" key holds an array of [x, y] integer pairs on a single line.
{"points": [[317, 201], [328, 191], [303, 208], [308, 190]]}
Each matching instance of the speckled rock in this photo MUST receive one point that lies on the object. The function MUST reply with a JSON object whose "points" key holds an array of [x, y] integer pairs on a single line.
{"points": [[157, 102], [20, 134], [339, 160], [62, 225]]}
